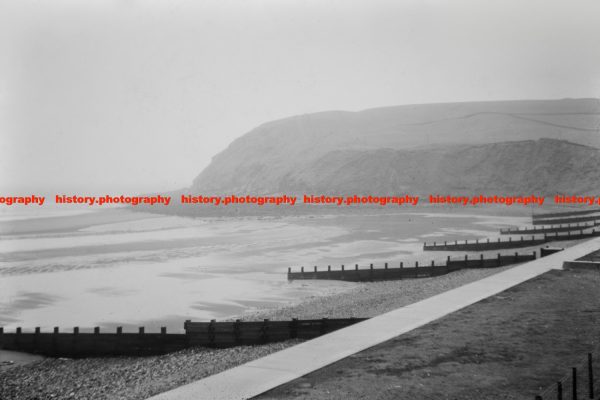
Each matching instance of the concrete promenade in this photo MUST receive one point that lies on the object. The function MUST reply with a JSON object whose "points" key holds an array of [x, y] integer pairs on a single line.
{"points": [[259, 376]]}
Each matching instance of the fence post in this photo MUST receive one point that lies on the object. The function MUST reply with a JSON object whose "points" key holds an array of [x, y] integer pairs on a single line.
{"points": [[574, 379], [499, 261], [559, 390], [301, 272], [481, 259], [342, 271], [516, 256], [466, 260], [329, 271], [371, 272], [590, 377]]}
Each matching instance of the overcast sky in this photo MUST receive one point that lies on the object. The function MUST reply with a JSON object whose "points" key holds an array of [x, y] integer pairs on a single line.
{"points": [[127, 96]]}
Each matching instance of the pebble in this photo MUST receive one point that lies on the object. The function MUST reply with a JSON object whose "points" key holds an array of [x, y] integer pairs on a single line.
{"points": [[142, 377]]}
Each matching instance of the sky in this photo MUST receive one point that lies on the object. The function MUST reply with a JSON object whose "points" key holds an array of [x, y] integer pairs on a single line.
{"points": [[127, 96]]}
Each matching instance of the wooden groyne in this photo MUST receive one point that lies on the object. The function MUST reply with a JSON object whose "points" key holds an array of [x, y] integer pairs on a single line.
{"points": [[228, 334], [549, 228], [546, 251], [385, 272], [483, 245], [78, 344], [568, 220], [563, 214]]}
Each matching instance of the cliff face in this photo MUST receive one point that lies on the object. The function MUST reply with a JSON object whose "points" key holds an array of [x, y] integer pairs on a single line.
{"points": [[545, 166], [513, 146]]}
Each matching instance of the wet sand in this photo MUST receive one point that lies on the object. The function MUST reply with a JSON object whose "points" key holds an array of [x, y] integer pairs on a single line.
{"points": [[140, 377], [81, 273]]}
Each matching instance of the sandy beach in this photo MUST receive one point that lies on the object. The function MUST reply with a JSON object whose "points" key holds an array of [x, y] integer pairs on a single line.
{"points": [[218, 268], [140, 377], [186, 256]]}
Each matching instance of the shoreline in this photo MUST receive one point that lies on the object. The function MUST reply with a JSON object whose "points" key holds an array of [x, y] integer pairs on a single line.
{"points": [[141, 377]]}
